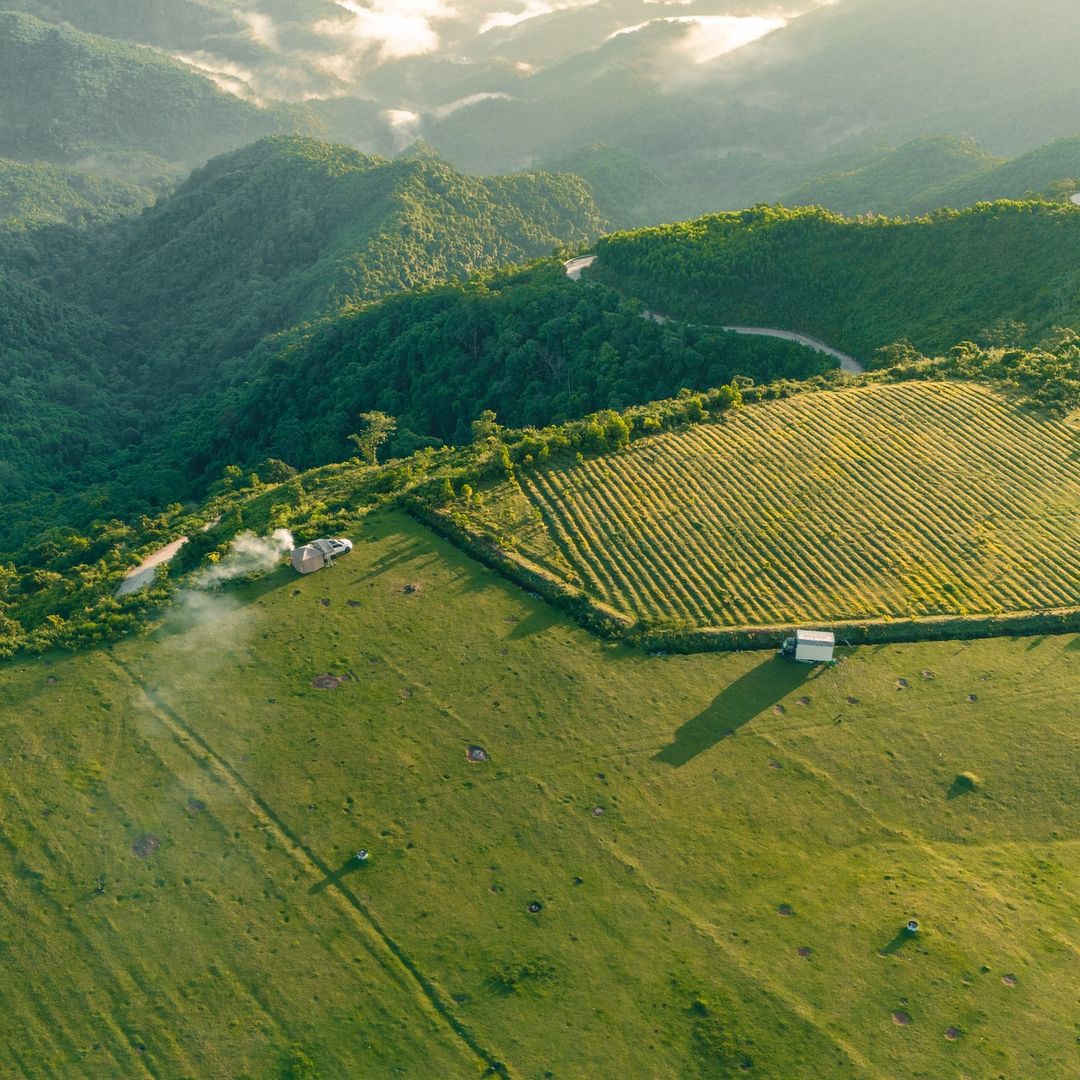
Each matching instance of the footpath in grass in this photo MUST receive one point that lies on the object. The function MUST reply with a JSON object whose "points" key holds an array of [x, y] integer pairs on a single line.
{"points": [[887, 501], [667, 867]]}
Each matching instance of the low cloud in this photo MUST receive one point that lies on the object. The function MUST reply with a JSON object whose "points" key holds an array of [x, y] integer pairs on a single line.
{"points": [[529, 9], [710, 36], [404, 126], [394, 29], [444, 111]]}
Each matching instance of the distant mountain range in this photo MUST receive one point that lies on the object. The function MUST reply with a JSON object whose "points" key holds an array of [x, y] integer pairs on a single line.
{"points": [[699, 124]]}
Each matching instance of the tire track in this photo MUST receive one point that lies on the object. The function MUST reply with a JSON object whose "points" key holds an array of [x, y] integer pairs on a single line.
{"points": [[393, 955]]}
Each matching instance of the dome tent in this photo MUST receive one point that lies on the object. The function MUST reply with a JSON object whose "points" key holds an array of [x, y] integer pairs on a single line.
{"points": [[311, 557]]}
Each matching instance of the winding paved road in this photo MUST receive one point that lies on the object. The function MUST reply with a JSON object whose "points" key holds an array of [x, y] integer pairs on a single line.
{"points": [[847, 363]]}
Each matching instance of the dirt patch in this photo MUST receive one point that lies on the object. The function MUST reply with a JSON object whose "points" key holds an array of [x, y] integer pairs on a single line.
{"points": [[145, 846], [786, 910], [902, 1018], [902, 684], [196, 806], [805, 950], [476, 754], [952, 1034], [1009, 980], [327, 682]]}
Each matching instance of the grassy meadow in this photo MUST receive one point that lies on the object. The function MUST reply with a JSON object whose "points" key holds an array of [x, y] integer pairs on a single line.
{"points": [[720, 851], [882, 501]]}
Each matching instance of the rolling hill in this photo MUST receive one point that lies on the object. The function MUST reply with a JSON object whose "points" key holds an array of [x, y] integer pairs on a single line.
{"points": [[932, 173], [257, 242], [860, 285], [36, 194]]}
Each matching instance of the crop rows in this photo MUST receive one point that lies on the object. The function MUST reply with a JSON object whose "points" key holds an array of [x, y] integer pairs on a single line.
{"points": [[907, 500]]}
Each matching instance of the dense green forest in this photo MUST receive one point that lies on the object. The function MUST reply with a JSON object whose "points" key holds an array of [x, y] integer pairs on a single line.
{"points": [[530, 345], [280, 231], [35, 193], [105, 330], [996, 269]]}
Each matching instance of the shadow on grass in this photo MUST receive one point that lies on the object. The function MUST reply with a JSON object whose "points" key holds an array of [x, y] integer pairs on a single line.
{"points": [[735, 706], [351, 865], [902, 938], [539, 619], [961, 785]]}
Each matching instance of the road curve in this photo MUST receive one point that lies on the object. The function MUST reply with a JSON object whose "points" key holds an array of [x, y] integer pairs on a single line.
{"points": [[847, 363], [575, 266]]}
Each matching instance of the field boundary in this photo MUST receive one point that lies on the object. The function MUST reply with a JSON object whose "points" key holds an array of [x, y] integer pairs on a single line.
{"points": [[608, 622], [584, 609]]}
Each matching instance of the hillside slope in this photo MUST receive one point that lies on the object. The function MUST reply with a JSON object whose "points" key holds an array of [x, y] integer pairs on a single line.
{"points": [[859, 285], [287, 228], [877, 502], [73, 98], [257, 242], [36, 194], [901, 178], [936, 172], [527, 910]]}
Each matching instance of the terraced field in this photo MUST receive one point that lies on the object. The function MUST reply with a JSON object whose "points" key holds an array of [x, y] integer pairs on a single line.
{"points": [[882, 501]]}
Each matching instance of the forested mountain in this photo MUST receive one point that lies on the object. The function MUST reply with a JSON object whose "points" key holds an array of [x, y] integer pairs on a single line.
{"points": [[943, 171], [73, 98], [997, 269], [691, 117], [35, 193], [899, 179], [276, 233], [531, 345], [256, 242], [760, 120], [61, 409]]}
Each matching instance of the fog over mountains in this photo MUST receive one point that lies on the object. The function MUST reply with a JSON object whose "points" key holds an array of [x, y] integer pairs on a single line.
{"points": [[706, 104]]}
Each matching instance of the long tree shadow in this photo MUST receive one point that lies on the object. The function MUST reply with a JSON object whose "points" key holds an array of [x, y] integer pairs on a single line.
{"points": [[351, 865], [736, 705]]}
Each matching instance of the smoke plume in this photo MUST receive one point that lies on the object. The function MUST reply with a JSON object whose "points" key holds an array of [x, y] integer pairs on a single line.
{"points": [[250, 554]]}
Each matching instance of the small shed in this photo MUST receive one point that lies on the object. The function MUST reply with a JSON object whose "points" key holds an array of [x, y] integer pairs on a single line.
{"points": [[311, 557], [811, 646]]}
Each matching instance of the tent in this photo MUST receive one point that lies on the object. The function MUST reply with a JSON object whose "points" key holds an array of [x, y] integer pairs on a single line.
{"points": [[312, 557]]}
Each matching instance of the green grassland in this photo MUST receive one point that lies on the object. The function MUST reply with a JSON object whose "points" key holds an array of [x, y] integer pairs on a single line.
{"points": [[879, 501], [689, 824]]}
